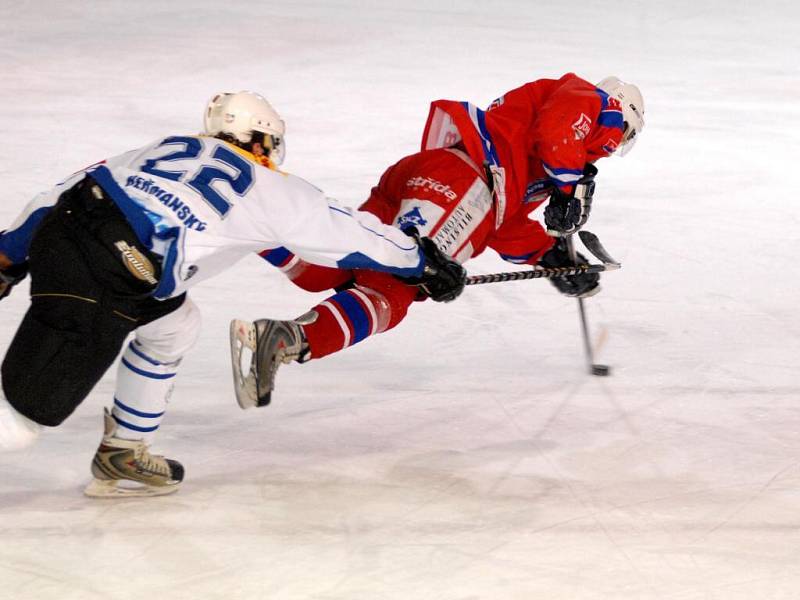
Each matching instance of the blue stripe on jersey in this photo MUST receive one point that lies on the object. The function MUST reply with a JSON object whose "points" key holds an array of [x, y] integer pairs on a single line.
{"points": [[16, 243], [487, 139], [142, 226], [356, 314], [137, 413], [166, 284], [133, 427], [518, 259], [478, 118], [357, 260], [610, 118], [563, 176], [562, 171], [603, 98], [277, 256], [144, 373]]}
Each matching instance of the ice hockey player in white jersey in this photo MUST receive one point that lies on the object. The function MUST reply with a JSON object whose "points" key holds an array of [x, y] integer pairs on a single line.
{"points": [[114, 248]]}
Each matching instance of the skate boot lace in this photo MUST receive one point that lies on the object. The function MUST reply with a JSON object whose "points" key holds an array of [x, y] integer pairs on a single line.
{"points": [[149, 463], [290, 347]]}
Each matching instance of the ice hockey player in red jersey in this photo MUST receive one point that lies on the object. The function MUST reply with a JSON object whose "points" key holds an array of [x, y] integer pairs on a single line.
{"points": [[474, 185]]}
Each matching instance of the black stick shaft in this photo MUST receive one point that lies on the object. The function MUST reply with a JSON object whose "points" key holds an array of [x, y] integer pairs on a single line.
{"points": [[587, 343], [534, 274]]}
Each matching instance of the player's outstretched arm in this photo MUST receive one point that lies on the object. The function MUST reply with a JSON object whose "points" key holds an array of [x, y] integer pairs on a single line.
{"points": [[321, 231]]}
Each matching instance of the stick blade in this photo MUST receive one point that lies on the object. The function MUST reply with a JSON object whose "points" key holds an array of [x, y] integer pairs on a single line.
{"points": [[594, 246], [600, 370]]}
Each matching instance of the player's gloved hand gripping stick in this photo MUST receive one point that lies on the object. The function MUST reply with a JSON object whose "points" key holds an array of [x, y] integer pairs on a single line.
{"points": [[565, 214], [442, 278]]}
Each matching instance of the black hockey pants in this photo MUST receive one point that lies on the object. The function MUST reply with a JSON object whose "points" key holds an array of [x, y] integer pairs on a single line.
{"points": [[91, 281]]}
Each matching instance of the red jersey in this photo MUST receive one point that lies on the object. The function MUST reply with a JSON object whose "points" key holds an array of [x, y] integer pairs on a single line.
{"points": [[532, 138]]}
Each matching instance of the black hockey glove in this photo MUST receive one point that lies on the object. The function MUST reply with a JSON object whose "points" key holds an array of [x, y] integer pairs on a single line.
{"points": [[581, 285], [10, 277], [566, 214], [442, 279]]}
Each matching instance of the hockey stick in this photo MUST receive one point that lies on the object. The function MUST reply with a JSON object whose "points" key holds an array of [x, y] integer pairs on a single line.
{"points": [[592, 245], [538, 273], [594, 368]]}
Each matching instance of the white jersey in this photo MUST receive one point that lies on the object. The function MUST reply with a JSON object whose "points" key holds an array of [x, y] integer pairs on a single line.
{"points": [[202, 205]]}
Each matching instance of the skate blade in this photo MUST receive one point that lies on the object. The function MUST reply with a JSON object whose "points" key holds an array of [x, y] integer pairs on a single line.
{"points": [[243, 335], [102, 488]]}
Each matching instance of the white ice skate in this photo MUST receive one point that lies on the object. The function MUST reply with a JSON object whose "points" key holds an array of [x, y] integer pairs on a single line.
{"points": [[125, 468], [16, 431]]}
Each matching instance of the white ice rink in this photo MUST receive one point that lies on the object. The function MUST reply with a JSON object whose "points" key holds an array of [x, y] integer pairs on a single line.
{"points": [[466, 455]]}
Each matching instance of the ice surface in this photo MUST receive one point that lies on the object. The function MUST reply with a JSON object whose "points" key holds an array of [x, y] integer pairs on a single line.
{"points": [[465, 455]]}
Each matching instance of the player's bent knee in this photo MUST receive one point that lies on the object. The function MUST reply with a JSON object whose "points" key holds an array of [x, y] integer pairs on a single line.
{"points": [[390, 296], [167, 339], [48, 371]]}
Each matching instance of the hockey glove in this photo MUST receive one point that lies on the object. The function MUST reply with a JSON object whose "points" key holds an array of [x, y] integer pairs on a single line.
{"points": [[565, 214], [581, 285], [442, 279], [10, 277]]}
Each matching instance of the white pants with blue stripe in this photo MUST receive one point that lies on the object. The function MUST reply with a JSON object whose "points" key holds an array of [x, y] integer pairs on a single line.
{"points": [[147, 371]]}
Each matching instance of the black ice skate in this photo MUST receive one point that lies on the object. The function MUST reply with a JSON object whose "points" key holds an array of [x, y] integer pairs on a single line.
{"points": [[270, 344]]}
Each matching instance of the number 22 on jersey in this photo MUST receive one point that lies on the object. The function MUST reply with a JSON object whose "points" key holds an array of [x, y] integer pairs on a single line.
{"points": [[211, 182]]}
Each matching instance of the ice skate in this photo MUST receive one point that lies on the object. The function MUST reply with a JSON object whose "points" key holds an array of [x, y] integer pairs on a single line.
{"points": [[16, 431], [125, 468], [270, 343]]}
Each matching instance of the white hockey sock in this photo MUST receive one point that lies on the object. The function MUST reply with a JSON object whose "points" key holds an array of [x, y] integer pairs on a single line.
{"points": [[144, 384]]}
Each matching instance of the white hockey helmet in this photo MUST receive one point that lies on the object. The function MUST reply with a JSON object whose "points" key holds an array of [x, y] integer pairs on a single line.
{"points": [[240, 114], [632, 103]]}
